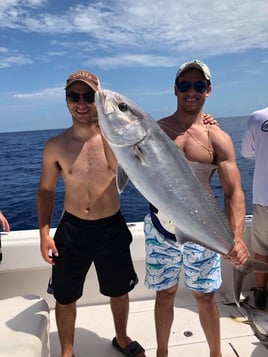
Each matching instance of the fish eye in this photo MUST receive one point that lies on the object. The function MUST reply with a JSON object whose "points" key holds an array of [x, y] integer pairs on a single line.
{"points": [[123, 107]]}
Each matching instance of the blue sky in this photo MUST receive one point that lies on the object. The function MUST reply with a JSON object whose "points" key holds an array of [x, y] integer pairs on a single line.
{"points": [[135, 47]]}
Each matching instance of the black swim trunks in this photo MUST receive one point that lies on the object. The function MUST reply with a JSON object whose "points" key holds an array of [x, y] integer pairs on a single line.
{"points": [[104, 242]]}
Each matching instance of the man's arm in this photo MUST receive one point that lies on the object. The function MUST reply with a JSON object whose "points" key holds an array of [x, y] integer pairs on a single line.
{"points": [[4, 222], [45, 201], [110, 157], [234, 201]]}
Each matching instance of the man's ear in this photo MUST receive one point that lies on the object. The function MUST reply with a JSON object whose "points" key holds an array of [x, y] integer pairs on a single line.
{"points": [[175, 90], [208, 92]]}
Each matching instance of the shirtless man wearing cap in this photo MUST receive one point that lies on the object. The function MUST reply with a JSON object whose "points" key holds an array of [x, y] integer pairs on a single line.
{"points": [[92, 228], [203, 144]]}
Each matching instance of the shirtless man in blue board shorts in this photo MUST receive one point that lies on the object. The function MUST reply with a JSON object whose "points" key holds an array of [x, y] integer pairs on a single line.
{"points": [[255, 146], [92, 229], [164, 258]]}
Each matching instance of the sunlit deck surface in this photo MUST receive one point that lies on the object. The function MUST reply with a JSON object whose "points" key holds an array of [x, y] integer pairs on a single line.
{"points": [[94, 331]]}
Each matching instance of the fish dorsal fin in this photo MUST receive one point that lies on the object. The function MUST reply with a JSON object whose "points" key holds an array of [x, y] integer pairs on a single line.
{"points": [[121, 178], [204, 173]]}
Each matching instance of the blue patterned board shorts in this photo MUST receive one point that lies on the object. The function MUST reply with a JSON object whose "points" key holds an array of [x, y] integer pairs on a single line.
{"points": [[164, 260]]}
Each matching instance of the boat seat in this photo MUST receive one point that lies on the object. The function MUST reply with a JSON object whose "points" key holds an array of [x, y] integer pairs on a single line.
{"points": [[24, 327]]}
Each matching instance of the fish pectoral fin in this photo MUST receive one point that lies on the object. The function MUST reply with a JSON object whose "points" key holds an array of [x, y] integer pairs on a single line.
{"points": [[121, 178]]}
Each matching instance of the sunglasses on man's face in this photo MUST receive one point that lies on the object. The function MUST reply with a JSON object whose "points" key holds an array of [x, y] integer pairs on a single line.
{"points": [[199, 86], [73, 97]]}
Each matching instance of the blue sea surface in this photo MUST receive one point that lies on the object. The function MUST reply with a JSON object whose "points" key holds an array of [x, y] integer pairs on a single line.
{"points": [[20, 164]]}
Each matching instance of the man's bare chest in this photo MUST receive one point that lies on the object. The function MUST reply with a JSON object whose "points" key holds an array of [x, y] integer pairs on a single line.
{"points": [[196, 146], [86, 161]]}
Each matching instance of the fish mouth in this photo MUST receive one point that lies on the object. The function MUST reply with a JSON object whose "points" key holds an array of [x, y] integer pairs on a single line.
{"points": [[107, 103], [100, 100], [118, 127]]}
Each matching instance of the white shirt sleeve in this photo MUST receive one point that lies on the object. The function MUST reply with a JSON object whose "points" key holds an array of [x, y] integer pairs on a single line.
{"points": [[254, 145], [248, 141]]}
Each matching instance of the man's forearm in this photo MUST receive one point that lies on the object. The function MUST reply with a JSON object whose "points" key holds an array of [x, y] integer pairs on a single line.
{"points": [[235, 212], [45, 203]]}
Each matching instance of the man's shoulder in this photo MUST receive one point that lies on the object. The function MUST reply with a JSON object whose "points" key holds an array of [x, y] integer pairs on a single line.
{"points": [[57, 142], [218, 135], [259, 115], [164, 120], [216, 129], [259, 111], [62, 136]]}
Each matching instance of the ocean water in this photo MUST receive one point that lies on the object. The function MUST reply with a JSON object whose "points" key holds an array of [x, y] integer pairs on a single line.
{"points": [[20, 163]]}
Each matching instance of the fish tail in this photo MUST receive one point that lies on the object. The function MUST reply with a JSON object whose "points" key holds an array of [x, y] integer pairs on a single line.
{"points": [[241, 271]]}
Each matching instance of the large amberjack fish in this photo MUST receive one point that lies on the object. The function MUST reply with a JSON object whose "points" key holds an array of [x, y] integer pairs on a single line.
{"points": [[162, 174]]}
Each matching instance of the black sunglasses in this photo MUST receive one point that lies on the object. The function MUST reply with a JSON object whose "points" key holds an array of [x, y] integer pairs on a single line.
{"points": [[199, 86], [73, 97]]}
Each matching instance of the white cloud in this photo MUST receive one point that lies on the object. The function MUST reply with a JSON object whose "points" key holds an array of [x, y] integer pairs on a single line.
{"points": [[12, 12], [128, 60], [11, 60], [55, 92], [126, 32], [3, 50]]}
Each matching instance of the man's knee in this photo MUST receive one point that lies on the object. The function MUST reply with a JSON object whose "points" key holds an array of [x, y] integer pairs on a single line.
{"points": [[204, 299], [119, 299], [65, 307], [167, 295]]}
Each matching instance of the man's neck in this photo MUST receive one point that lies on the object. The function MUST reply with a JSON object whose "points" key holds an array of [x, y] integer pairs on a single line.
{"points": [[186, 119], [84, 130]]}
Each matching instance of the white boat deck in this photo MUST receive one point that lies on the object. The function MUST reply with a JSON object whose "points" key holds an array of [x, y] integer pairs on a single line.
{"points": [[23, 272], [95, 331]]}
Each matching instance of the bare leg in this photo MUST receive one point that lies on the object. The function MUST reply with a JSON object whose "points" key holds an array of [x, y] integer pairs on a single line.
{"points": [[164, 314], [209, 319], [261, 278], [65, 318], [120, 310]]}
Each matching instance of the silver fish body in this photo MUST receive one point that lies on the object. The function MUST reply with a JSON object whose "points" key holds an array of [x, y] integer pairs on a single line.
{"points": [[162, 174], [159, 170]]}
